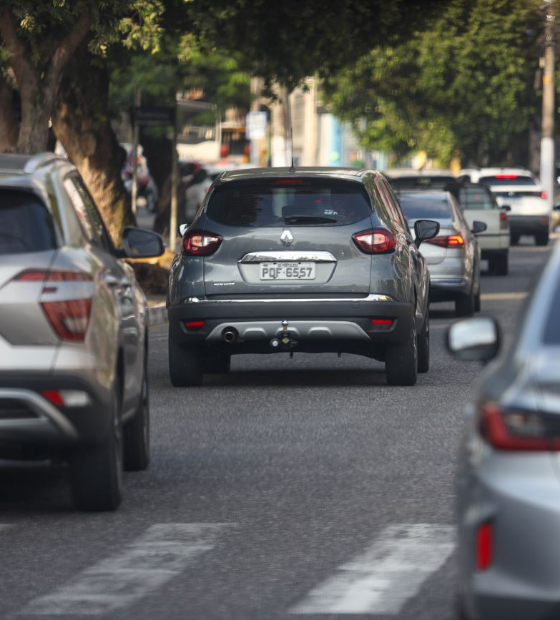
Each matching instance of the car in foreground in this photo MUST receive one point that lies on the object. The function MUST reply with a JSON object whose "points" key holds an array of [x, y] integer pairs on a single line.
{"points": [[518, 189], [311, 260], [508, 474], [453, 257], [73, 331]]}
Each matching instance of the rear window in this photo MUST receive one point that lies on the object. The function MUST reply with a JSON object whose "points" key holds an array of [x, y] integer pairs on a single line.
{"points": [[423, 182], [291, 202], [552, 326], [475, 198], [420, 208], [26, 225], [508, 179]]}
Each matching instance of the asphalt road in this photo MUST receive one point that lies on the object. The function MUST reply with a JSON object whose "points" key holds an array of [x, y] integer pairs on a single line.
{"points": [[288, 487]]}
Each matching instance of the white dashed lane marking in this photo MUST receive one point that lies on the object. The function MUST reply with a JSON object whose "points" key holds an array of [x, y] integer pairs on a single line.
{"points": [[388, 574], [143, 566]]}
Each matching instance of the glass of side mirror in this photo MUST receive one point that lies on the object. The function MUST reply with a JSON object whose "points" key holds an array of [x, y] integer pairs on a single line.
{"points": [[424, 230], [476, 339], [140, 243], [505, 208], [479, 227]]}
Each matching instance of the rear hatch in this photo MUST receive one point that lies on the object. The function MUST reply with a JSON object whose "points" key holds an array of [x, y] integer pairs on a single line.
{"points": [[27, 246], [518, 191], [288, 237]]}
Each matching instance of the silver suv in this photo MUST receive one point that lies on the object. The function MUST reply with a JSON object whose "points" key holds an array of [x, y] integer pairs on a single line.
{"points": [[73, 325], [311, 260]]}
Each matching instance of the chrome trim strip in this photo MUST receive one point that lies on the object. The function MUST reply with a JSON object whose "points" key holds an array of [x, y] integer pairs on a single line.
{"points": [[295, 257], [204, 300], [47, 413]]}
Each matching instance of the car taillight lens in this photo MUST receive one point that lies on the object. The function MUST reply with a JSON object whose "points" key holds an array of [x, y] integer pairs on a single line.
{"points": [[68, 317], [201, 243], [504, 223], [484, 546], [375, 241], [449, 241], [544, 195], [518, 430]]}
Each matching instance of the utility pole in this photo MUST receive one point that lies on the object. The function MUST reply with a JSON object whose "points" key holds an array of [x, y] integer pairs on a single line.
{"points": [[136, 139], [548, 163]]}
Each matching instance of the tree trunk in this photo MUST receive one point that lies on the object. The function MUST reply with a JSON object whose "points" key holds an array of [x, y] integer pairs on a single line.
{"points": [[34, 128], [81, 122], [8, 120]]}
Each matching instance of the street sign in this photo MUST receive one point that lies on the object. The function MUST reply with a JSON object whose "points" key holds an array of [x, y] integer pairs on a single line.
{"points": [[154, 115], [255, 126]]}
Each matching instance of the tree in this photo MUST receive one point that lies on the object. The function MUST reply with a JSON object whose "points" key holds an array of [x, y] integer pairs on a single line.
{"points": [[464, 85]]}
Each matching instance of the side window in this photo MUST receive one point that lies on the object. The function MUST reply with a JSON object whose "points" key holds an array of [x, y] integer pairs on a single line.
{"points": [[400, 215], [393, 206], [87, 212]]}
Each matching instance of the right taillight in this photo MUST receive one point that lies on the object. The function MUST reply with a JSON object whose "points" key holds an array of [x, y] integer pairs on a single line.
{"points": [[69, 316], [449, 241], [518, 430], [504, 224], [375, 241], [201, 243]]}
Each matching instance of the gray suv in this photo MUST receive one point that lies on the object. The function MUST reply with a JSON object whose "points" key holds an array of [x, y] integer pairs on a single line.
{"points": [[73, 331], [310, 260]]}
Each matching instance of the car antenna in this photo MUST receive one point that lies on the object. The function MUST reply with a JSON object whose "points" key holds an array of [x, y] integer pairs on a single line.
{"points": [[292, 167]]}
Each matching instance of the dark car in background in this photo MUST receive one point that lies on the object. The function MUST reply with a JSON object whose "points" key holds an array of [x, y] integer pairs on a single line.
{"points": [[453, 257], [311, 260], [508, 475]]}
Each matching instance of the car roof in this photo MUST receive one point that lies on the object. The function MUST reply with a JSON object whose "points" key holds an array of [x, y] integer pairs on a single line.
{"points": [[425, 194], [14, 164], [494, 171], [397, 173], [350, 174]]}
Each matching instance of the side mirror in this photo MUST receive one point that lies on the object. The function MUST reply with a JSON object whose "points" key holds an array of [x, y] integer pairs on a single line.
{"points": [[476, 339], [478, 227], [141, 243], [183, 229], [424, 230], [505, 208]]}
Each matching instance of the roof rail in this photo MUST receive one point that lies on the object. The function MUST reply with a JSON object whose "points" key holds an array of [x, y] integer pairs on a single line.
{"points": [[40, 160]]}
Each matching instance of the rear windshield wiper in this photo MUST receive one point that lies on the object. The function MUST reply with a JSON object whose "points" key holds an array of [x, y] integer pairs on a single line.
{"points": [[310, 219]]}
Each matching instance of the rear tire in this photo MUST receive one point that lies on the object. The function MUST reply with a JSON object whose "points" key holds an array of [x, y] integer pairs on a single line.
{"points": [[541, 238], [217, 364], [477, 302], [424, 347], [185, 365], [136, 433], [465, 305], [514, 239], [401, 361], [96, 471], [500, 265]]}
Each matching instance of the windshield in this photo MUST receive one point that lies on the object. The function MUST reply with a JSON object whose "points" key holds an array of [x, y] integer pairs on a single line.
{"points": [[508, 179], [289, 201], [25, 224], [475, 198], [418, 207]]}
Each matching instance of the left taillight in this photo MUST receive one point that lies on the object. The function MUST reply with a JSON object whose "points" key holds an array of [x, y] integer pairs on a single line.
{"points": [[67, 310], [201, 243], [518, 430], [448, 241], [375, 241]]}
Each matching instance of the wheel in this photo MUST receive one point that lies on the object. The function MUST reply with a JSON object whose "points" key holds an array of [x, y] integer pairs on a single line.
{"points": [[500, 265], [185, 365], [217, 363], [136, 433], [96, 471], [401, 361], [460, 610], [465, 305], [541, 238], [477, 302], [514, 239], [424, 347]]}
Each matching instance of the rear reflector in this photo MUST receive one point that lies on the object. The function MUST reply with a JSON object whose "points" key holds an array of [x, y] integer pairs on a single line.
{"points": [[450, 241], [67, 398], [375, 241], [381, 321], [484, 547], [194, 326]]}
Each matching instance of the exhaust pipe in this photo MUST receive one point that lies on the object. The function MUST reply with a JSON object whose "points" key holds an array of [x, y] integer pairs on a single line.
{"points": [[230, 334]]}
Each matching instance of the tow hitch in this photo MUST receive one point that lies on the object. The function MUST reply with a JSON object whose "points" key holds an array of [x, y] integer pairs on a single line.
{"points": [[285, 341]]}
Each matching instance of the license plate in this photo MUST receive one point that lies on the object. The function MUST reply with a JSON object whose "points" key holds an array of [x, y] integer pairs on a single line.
{"points": [[287, 271]]}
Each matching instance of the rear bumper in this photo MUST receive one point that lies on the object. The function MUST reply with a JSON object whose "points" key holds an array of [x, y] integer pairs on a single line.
{"points": [[317, 324], [28, 418], [528, 224], [448, 288]]}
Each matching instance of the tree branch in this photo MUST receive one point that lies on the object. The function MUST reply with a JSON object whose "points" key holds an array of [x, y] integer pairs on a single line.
{"points": [[17, 48]]}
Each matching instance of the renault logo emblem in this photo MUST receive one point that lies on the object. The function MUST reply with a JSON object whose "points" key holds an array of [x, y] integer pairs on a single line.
{"points": [[286, 238]]}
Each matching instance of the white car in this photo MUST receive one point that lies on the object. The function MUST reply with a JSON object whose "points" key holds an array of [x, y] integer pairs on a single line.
{"points": [[518, 189]]}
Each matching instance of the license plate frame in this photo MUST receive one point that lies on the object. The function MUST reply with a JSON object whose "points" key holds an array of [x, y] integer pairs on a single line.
{"points": [[287, 271]]}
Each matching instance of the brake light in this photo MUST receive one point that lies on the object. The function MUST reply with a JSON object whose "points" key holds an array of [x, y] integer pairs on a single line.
{"points": [[449, 241], [503, 216], [40, 275], [544, 195], [484, 546], [287, 181], [375, 241], [507, 176], [201, 243], [518, 430]]}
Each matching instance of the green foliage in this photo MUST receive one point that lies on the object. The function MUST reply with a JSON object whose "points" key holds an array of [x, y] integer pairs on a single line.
{"points": [[464, 85]]}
